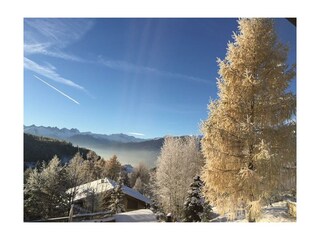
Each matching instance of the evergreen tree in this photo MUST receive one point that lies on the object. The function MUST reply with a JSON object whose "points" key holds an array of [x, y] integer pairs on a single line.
{"points": [[249, 137], [207, 213], [193, 205], [116, 202], [156, 209], [196, 209]]}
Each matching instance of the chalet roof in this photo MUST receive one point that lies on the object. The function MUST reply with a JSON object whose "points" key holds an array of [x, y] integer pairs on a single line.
{"points": [[104, 185]]}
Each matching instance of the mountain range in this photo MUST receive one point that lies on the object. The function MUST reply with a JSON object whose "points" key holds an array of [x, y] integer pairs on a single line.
{"points": [[66, 134], [128, 149]]}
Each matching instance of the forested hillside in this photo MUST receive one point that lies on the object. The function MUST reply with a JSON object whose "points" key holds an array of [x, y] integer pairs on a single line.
{"points": [[38, 149]]}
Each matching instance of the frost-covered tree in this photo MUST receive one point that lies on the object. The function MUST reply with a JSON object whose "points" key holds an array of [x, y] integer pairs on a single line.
{"points": [[45, 192], [125, 177], [92, 156], [113, 168], [140, 178], [249, 137], [26, 174], [179, 161], [140, 171], [87, 170], [139, 186], [75, 174], [94, 167]]}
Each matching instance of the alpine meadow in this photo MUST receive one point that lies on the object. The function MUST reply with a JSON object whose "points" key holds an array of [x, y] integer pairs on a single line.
{"points": [[124, 121]]}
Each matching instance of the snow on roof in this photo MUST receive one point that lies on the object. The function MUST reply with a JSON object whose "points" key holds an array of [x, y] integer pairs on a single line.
{"points": [[104, 185], [142, 215], [135, 194]]}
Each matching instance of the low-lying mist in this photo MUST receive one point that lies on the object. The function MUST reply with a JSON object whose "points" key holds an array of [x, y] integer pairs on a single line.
{"points": [[133, 157]]}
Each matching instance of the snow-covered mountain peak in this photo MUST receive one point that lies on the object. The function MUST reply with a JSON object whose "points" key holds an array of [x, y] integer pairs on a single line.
{"points": [[65, 134]]}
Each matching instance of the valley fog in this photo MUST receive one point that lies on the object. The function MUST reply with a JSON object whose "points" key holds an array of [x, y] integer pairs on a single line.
{"points": [[132, 157]]}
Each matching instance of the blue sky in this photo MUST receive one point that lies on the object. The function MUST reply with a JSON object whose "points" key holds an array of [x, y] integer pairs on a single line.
{"points": [[144, 77]]}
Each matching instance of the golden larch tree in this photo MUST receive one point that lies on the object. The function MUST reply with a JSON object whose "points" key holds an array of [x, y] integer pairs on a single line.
{"points": [[249, 136]]}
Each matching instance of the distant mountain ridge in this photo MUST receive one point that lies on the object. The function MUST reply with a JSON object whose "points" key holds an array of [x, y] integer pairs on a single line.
{"points": [[128, 148], [67, 134]]}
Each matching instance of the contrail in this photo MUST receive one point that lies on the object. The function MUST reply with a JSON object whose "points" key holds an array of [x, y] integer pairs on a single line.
{"points": [[57, 90]]}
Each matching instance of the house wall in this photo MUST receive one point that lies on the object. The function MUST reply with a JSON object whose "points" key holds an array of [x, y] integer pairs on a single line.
{"points": [[133, 204]]}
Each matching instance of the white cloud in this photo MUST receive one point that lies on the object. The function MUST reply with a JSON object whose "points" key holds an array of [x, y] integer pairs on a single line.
{"points": [[136, 134], [57, 31], [50, 73], [62, 93], [50, 36], [48, 50], [129, 67]]}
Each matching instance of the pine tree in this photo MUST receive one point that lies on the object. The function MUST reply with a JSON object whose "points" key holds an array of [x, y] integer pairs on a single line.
{"points": [[193, 206], [116, 201], [207, 213], [249, 137], [156, 209]]}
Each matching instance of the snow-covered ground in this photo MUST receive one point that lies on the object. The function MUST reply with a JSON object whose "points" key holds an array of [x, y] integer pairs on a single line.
{"points": [[278, 212]]}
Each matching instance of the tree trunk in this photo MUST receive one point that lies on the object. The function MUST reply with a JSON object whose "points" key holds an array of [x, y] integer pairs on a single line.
{"points": [[251, 218]]}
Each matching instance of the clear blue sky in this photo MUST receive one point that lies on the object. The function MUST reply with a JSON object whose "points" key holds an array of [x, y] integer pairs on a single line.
{"points": [[144, 77]]}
